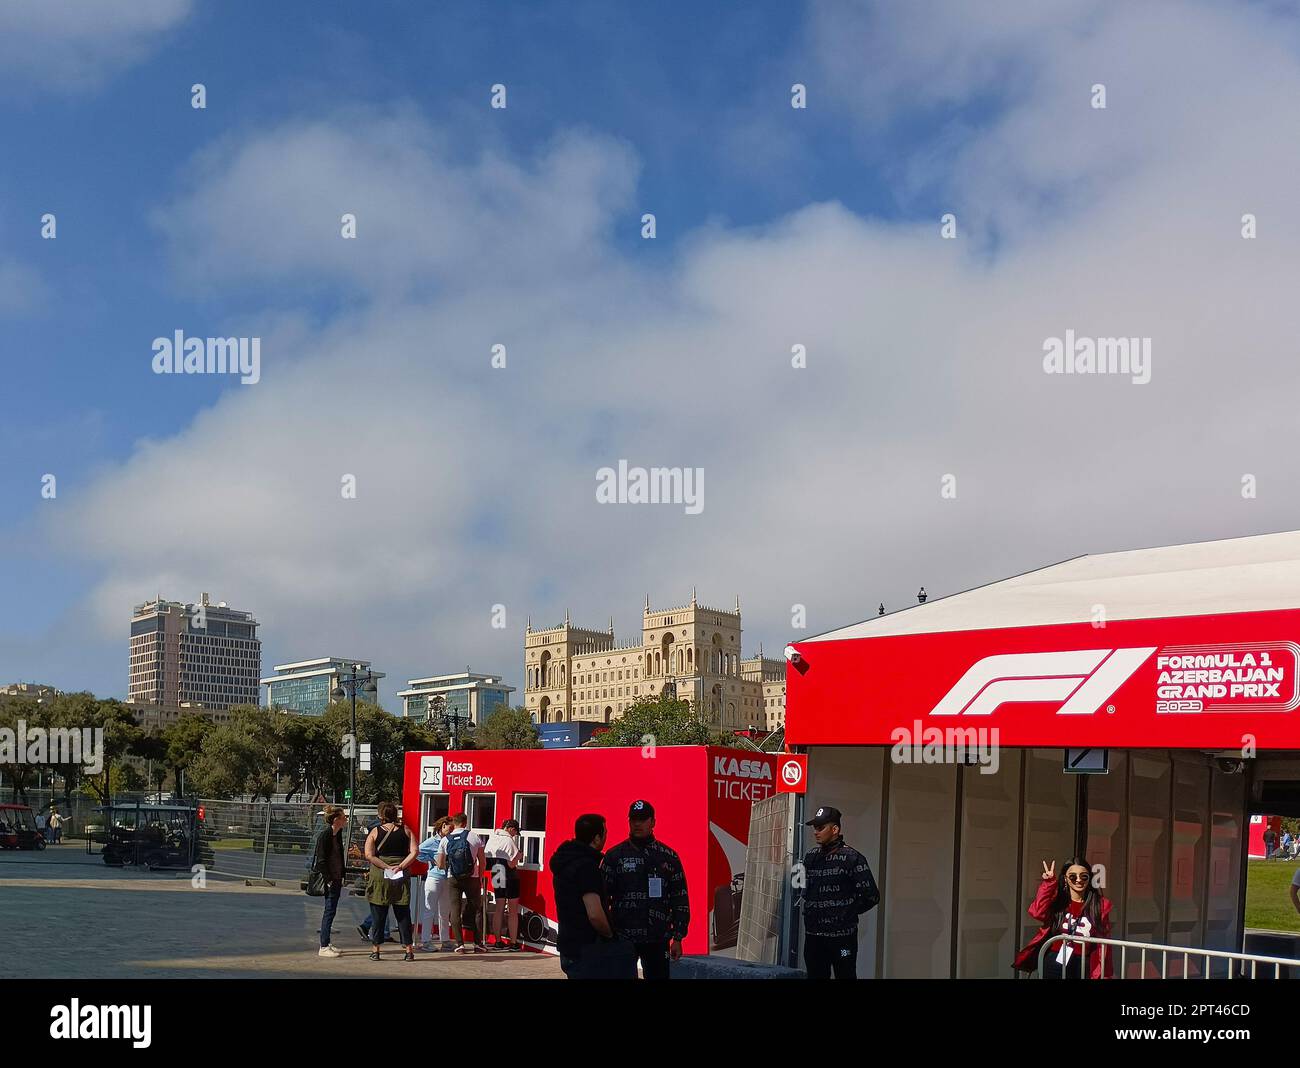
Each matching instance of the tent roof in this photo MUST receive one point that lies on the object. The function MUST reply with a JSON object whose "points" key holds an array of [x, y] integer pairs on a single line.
{"points": [[1255, 574]]}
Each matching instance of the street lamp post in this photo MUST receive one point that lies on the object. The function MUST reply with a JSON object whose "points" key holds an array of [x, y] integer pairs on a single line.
{"points": [[451, 721], [347, 686]]}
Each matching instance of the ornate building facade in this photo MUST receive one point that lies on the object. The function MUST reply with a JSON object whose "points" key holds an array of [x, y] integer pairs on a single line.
{"points": [[577, 673]]}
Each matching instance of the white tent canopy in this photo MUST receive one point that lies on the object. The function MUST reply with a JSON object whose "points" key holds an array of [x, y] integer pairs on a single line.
{"points": [[1257, 574]]}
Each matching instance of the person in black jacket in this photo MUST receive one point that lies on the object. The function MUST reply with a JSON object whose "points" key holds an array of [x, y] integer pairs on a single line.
{"points": [[580, 902], [838, 889], [646, 887], [327, 858]]}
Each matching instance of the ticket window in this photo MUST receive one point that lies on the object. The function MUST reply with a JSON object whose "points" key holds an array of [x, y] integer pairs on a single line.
{"points": [[530, 811], [482, 812], [435, 807]]}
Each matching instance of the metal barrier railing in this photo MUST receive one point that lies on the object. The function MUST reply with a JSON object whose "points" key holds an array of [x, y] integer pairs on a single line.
{"points": [[273, 841], [1144, 949]]}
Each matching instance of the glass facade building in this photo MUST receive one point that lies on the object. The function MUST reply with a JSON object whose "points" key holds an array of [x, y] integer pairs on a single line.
{"points": [[305, 687], [467, 694]]}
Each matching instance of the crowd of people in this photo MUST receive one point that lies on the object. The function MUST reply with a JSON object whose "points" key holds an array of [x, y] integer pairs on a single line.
{"points": [[50, 825], [1287, 847], [618, 910], [626, 908]]}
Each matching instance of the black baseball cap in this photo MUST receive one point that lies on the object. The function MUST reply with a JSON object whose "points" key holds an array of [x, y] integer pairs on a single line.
{"points": [[641, 810], [824, 815]]}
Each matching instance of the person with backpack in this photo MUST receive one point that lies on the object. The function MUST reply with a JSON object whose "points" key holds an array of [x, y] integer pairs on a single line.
{"points": [[56, 823], [460, 855]]}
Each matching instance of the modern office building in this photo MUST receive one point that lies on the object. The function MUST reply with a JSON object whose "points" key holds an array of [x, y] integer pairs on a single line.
{"points": [[201, 654], [467, 694], [577, 673], [305, 687]]}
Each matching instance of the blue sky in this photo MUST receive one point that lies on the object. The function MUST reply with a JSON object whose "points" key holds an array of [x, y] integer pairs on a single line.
{"points": [[664, 78], [767, 217]]}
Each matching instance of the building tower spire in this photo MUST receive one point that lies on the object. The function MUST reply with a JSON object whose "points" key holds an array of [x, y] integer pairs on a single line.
{"points": [[566, 617], [611, 624], [737, 604], [692, 596], [528, 624], [647, 602]]}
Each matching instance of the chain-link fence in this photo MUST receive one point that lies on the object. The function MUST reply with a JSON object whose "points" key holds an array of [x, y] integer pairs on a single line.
{"points": [[257, 840], [244, 839], [769, 862]]}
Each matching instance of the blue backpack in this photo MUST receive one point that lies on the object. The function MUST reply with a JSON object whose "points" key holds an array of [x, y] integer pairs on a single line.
{"points": [[460, 857]]}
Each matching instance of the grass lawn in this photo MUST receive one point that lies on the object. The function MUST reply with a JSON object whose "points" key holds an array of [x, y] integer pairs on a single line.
{"points": [[247, 843], [1268, 895]]}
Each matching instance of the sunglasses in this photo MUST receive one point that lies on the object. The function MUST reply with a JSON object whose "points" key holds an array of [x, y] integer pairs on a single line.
{"points": [[1077, 877]]}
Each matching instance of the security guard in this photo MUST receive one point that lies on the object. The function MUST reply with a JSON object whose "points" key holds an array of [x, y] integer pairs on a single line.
{"points": [[646, 889], [839, 888]]}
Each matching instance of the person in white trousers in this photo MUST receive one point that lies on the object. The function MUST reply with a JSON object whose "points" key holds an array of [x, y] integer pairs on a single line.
{"points": [[437, 890]]}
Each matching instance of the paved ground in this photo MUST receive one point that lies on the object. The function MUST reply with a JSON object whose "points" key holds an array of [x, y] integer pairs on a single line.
{"points": [[67, 915]]}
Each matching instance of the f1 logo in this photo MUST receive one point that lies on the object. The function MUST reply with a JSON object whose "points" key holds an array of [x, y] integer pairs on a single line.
{"points": [[1083, 679], [431, 773]]}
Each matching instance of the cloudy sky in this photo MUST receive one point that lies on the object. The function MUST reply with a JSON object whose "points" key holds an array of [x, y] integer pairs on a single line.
{"points": [[776, 227]]}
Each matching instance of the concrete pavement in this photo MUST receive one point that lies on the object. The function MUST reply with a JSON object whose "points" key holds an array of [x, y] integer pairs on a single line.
{"points": [[69, 916]]}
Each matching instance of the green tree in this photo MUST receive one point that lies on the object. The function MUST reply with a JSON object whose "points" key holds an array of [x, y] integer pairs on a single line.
{"points": [[152, 747], [21, 775], [390, 738], [184, 742], [657, 720], [507, 728], [239, 756], [127, 778], [122, 737], [306, 753], [76, 711]]}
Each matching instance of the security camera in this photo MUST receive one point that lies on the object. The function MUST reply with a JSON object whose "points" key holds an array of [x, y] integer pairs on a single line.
{"points": [[796, 659]]}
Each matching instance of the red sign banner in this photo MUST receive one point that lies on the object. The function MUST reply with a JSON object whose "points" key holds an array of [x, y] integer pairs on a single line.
{"points": [[1193, 682], [792, 774]]}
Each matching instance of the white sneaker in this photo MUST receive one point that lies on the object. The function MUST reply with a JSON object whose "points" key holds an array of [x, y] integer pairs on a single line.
{"points": [[328, 951]]}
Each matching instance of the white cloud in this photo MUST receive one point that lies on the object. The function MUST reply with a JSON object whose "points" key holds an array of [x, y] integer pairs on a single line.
{"points": [[476, 486], [269, 209], [72, 44]]}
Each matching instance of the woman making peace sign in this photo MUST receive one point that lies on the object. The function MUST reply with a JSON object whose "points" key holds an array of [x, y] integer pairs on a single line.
{"points": [[1072, 906]]}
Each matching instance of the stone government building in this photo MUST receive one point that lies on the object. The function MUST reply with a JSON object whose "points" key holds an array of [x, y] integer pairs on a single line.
{"points": [[577, 673]]}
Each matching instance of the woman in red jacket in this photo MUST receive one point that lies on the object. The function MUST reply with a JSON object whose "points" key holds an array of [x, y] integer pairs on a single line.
{"points": [[1071, 906]]}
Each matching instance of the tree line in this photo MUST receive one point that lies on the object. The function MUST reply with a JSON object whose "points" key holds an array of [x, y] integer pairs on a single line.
{"points": [[259, 752]]}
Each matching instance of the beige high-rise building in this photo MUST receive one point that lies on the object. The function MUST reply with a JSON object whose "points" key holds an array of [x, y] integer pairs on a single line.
{"points": [[197, 654], [577, 673]]}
